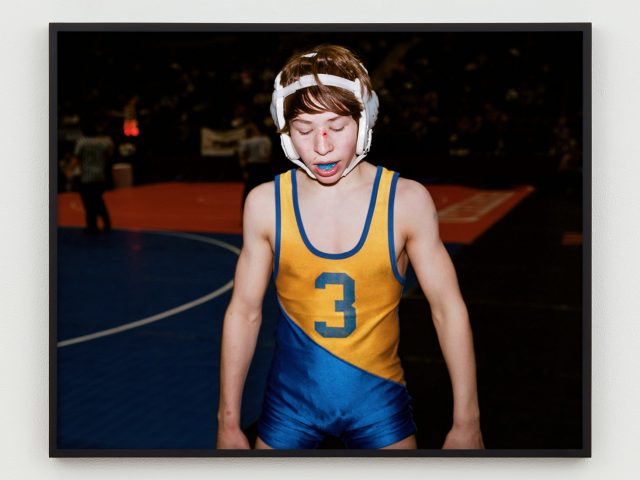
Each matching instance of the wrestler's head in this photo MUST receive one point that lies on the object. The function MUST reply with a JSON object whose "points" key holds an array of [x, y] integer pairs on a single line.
{"points": [[327, 84]]}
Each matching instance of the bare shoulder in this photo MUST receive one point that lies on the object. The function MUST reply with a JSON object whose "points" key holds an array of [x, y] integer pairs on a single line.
{"points": [[262, 193], [413, 199], [414, 211], [259, 209]]}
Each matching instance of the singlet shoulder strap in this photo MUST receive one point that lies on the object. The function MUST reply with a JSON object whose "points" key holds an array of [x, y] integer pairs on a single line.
{"points": [[284, 213], [393, 181]]}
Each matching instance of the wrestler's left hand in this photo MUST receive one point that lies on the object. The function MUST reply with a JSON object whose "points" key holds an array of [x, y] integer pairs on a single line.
{"points": [[464, 437]]}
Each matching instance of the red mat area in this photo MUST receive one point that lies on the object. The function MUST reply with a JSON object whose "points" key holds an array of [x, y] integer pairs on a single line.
{"points": [[465, 213], [186, 207]]}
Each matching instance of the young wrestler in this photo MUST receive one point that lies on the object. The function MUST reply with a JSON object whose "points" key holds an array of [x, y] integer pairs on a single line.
{"points": [[338, 234]]}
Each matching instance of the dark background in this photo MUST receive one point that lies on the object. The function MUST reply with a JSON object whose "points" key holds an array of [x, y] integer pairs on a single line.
{"points": [[480, 108]]}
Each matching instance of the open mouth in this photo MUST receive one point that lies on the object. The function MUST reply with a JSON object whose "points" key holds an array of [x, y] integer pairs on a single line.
{"points": [[326, 169]]}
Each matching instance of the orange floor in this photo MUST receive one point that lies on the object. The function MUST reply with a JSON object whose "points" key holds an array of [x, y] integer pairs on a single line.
{"points": [[187, 207], [465, 213]]}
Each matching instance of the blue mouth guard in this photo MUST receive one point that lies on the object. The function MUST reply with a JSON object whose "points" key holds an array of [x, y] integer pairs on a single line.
{"points": [[327, 166]]}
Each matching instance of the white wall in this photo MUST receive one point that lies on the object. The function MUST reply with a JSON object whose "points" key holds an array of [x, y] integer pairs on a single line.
{"points": [[24, 235]]}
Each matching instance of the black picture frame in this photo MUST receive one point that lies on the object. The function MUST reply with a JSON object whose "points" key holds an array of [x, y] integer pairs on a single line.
{"points": [[582, 29]]}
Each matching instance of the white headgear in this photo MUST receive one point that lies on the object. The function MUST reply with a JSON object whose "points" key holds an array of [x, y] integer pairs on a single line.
{"points": [[368, 113]]}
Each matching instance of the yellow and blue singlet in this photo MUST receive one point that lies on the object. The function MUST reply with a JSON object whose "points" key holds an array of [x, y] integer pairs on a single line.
{"points": [[336, 369]]}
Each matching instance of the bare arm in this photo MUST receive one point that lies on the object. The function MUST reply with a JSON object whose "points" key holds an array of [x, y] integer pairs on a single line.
{"points": [[419, 222], [244, 314]]}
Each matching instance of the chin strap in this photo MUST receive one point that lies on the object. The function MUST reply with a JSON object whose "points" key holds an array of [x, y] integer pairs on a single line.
{"points": [[354, 162], [297, 161]]}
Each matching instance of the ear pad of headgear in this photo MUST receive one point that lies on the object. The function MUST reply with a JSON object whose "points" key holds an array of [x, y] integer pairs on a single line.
{"points": [[368, 117], [277, 114], [287, 147]]}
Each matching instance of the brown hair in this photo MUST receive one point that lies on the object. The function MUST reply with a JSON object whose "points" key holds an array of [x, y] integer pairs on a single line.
{"points": [[329, 59]]}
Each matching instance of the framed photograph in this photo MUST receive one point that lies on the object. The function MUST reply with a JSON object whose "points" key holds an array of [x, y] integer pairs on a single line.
{"points": [[158, 134]]}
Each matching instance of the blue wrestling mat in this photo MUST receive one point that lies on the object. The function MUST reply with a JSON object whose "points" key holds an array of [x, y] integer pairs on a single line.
{"points": [[139, 324]]}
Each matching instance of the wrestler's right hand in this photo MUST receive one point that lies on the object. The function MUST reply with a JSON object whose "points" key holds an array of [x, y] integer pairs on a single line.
{"points": [[232, 438]]}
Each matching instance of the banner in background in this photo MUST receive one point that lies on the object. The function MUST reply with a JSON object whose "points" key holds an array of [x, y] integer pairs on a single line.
{"points": [[220, 143]]}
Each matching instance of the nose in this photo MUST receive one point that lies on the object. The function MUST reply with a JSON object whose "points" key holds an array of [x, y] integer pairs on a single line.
{"points": [[322, 143]]}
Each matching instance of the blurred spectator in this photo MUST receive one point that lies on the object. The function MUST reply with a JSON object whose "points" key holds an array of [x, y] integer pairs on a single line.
{"points": [[91, 156], [255, 159]]}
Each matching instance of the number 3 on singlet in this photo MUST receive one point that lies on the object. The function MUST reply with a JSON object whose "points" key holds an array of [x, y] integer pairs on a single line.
{"points": [[345, 305]]}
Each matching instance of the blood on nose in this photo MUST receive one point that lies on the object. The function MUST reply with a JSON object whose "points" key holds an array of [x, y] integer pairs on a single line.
{"points": [[322, 142]]}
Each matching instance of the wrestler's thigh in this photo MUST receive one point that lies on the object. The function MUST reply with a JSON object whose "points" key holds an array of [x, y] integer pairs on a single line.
{"points": [[260, 445], [406, 443]]}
